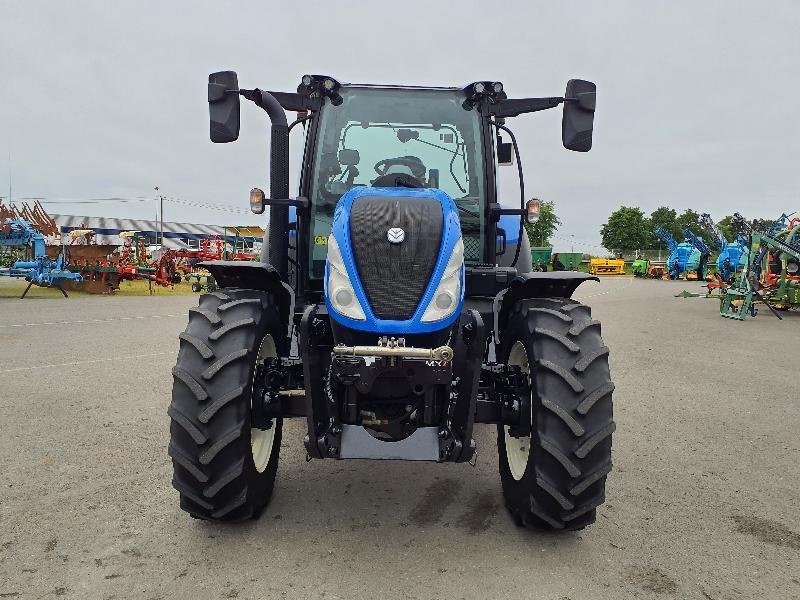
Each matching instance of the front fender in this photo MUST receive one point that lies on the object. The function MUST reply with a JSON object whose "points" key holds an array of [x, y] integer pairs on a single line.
{"points": [[554, 284], [251, 275]]}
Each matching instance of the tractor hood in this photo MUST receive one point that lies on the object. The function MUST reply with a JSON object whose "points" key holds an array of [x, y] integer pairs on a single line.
{"points": [[395, 261]]}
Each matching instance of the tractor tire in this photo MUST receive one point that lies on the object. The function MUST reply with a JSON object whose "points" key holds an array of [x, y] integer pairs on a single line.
{"points": [[223, 469], [555, 479]]}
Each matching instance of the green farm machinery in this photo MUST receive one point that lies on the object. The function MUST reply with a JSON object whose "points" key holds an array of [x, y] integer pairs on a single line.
{"points": [[772, 275], [540, 257]]}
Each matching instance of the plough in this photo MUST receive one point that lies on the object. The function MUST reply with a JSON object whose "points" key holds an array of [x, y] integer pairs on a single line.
{"points": [[21, 229]]}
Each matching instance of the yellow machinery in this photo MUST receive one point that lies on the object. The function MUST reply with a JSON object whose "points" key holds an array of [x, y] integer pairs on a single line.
{"points": [[607, 266]]}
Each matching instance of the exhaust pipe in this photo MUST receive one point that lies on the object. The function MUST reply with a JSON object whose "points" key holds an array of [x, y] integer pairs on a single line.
{"points": [[275, 250]]}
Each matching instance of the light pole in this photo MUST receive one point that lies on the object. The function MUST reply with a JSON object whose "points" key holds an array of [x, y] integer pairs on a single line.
{"points": [[161, 224], [572, 237]]}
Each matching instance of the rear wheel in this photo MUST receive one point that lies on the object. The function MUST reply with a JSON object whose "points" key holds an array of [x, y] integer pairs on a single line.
{"points": [[555, 478], [224, 468]]}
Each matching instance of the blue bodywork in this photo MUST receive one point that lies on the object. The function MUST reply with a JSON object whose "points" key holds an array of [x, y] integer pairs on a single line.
{"points": [[699, 243], [732, 258], [732, 255], [683, 257], [510, 224], [450, 235]]}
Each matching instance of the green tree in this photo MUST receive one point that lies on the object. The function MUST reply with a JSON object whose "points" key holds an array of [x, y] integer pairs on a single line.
{"points": [[691, 219], [726, 229], [663, 217], [625, 231], [539, 233]]}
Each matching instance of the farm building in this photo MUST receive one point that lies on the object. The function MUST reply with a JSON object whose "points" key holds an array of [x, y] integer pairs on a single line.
{"points": [[176, 235]]}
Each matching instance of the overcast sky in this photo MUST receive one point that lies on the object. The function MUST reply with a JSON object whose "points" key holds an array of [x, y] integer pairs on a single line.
{"points": [[697, 101]]}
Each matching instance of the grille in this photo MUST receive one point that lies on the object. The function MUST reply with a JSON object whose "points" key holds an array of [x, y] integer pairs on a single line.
{"points": [[394, 276], [473, 250]]}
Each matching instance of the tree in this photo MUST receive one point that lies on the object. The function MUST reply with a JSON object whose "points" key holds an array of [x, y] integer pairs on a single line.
{"points": [[539, 233], [691, 219], [663, 217], [726, 229], [625, 231]]}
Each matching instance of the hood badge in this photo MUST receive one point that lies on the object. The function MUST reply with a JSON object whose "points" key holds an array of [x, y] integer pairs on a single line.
{"points": [[395, 235]]}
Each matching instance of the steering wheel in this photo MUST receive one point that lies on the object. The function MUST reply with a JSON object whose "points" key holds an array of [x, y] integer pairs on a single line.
{"points": [[412, 163], [397, 180]]}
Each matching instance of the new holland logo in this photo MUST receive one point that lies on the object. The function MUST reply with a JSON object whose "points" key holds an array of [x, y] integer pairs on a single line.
{"points": [[395, 235]]}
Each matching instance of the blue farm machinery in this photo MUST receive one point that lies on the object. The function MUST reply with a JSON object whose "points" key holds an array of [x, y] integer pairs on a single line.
{"points": [[684, 258], [705, 252], [20, 231], [406, 317], [732, 256]]}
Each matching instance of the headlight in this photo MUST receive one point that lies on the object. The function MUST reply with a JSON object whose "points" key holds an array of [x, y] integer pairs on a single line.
{"points": [[340, 291], [448, 293]]}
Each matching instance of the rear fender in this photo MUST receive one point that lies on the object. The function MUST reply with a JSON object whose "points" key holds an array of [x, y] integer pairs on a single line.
{"points": [[555, 284], [255, 276]]}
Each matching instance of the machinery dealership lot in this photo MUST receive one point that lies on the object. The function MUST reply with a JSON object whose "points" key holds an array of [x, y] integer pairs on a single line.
{"points": [[702, 503]]}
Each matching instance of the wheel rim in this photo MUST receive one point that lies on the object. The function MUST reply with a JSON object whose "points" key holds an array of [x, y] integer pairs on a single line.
{"points": [[262, 441], [518, 448]]}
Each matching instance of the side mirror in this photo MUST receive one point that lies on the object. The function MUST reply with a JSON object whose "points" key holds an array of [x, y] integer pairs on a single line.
{"points": [[257, 201], [505, 152], [578, 119], [223, 106]]}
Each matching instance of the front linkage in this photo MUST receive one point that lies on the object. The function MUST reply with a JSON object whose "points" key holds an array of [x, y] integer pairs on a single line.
{"points": [[453, 395]]}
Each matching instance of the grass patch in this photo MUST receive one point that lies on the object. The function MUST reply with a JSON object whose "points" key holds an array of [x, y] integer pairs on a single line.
{"points": [[13, 288], [140, 288]]}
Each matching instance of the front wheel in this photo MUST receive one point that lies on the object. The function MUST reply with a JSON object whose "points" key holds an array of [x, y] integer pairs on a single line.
{"points": [[555, 478], [224, 468]]}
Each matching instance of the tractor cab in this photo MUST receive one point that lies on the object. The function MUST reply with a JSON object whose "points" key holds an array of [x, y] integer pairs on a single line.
{"points": [[394, 306]]}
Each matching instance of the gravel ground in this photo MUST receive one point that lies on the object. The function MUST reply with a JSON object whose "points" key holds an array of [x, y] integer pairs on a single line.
{"points": [[704, 500]]}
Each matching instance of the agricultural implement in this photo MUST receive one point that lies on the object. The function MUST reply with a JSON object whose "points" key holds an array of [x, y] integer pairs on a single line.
{"points": [[732, 256], [22, 234], [684, 258], [705, 253], [570, 260], [642, 267], [607, 266], [772, 275], [395, 331], [540, 257]]}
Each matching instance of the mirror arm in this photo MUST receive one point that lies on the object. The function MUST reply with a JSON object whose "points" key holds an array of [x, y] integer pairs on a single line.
{"points": [[514, 107], [292, 102], [299, 203]]}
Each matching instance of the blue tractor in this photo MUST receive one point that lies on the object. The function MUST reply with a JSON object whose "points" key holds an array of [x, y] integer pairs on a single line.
{"points": [[732, 256], [683, 259], [394, 308]]}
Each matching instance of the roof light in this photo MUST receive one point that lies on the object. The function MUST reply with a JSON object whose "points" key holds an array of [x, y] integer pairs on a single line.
{"points": [[306, 80], [479, 88], [497, 87], [328, 84]]}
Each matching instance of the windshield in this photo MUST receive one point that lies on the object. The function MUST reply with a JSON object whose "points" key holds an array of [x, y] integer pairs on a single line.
{"points": [[386, 137]]}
